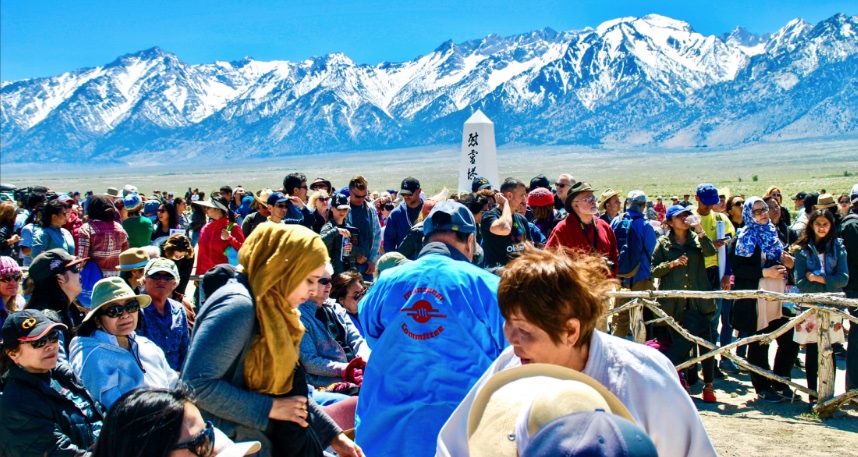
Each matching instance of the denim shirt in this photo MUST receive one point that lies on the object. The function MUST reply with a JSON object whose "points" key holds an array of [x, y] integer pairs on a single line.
{"points": [[169, 332]]}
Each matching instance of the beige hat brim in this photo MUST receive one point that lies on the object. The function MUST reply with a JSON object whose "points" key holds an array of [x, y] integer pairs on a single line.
{"points": [[225, 447], [538, 369]]}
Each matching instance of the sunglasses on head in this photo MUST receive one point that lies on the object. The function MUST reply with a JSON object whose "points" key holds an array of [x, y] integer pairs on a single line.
{"points": [[160, 276], [325, 281], [51, 338], [11, 277], [115, 311], [201, 445]]}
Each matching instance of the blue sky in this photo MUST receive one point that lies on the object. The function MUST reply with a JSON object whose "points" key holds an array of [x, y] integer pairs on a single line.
{"points": [[44, 38]]}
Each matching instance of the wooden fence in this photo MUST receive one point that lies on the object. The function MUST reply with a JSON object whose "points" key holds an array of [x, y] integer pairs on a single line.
{"points": [[824, 306]]}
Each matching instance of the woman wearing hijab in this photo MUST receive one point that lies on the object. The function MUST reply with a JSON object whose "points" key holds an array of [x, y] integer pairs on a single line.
{"points": [[760, 262], [245, 356], [102, 239]]}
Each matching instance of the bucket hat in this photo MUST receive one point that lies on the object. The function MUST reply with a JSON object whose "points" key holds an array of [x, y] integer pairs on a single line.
{"points": [[111, 290]]}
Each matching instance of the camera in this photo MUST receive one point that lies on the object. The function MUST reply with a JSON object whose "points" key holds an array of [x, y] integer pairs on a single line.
{"points": [[609, 263]]}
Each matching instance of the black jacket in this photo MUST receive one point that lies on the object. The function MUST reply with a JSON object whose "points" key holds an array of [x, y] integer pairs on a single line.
{"points": [[849, 233], [35, 420]]}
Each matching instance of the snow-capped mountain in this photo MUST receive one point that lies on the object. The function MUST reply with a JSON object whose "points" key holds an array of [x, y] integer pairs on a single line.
{"points": [[650, 81]]}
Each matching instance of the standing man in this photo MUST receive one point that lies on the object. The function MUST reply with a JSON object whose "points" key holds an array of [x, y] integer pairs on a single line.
{"points": [[504, 230], [685, 201], [421, 317], [295, 186], [363, 216], [849, 233], [633, 223], [582, 232], [707, 198], [562, 186], [404, 216]]}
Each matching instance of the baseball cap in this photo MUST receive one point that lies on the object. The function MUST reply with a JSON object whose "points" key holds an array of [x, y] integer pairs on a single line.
{"points": [[540, 181], [64, 198], [515, 404], [161, 265], [637, 198], [480, 183], [409, 186], [129, 189], [676, 210], [151, 207], [52, 262], [277, 197], [853, 195], [591, 433], [339, 201], [28, 325], [708, 194], [800, 196], [677, 198], [449, 215]]}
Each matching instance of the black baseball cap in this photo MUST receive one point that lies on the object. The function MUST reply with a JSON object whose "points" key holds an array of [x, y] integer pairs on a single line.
{"points": [[339, 201], [480, 183], [409, 186], [28, 325], [800, 196], [540, 181], [52, 262]]}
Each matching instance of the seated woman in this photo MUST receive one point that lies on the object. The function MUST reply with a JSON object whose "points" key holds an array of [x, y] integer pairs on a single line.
{"points": [[106, 353], [163, 423], [347, 289], [552, 304], [332, 346], [245, 364], [678, 262], [44, 409]]}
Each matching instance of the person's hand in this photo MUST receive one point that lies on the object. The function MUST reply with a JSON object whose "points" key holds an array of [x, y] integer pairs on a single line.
{"points": [[500, 200], [370, 267], [775, 272], [224, 234], [719, 243], [297, 201], [291, 409], [361, 259], [14, 239], [682, 261], [698, 228], [788, 260], [345, 447], [347, 248], [344, 232], [725, 282]]}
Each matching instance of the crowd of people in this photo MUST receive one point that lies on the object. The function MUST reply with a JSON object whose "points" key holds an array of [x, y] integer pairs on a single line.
{"points": [[350, 322]]}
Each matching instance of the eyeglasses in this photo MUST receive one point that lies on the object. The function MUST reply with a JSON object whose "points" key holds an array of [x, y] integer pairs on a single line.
{"points": [[759, 212], [13, 277], [115, 311], [52, 338], [161, 276], [282, 205], [560, 185], [325, 281], [586, 200], [324, 199], [201, 445]]}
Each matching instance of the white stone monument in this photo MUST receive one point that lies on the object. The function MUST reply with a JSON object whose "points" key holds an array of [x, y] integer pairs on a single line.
{"points": [[479, 153]]}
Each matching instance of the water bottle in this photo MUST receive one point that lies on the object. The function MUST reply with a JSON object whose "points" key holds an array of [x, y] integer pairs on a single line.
{"points": [[693, 219], [343, 250]]}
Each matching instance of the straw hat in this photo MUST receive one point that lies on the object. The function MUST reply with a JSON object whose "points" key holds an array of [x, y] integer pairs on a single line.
{"points": [[607, 195], [132, 259], [111, 290], [825, 201], [514, 404], [263, 196]]}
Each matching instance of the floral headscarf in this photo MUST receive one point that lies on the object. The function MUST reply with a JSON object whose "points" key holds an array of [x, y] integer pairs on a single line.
{"points": [[754, 234]]}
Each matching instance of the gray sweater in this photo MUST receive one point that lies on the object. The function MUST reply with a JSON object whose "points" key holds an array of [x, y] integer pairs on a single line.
{"points": [[214, 368]]}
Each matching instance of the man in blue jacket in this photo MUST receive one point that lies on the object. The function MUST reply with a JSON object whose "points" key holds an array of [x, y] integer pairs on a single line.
{"points": [[404, 216], [434, 327]]}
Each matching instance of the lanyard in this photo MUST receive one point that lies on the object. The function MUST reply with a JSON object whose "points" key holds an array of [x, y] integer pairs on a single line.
{"points": [[594, 245]]}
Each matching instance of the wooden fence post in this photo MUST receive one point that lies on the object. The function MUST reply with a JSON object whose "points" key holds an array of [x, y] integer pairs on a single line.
{"points": [[638, 327], [826, 363]]}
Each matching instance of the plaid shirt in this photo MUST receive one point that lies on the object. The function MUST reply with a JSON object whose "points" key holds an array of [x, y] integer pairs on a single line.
{"points": [[102, 242]]}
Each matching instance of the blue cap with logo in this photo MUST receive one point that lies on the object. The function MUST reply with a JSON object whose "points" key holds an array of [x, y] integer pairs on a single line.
{"points": [[277, 197], [449, 215], [708, 194], [480, 183], [676, 210]]}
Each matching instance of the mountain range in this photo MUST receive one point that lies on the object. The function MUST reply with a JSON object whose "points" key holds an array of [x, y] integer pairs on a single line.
{"points": [[650, 82]]}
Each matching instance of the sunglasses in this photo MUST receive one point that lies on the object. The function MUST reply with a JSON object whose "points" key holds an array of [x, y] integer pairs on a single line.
{"points": [[51, 338], [281, 205], [161, 277], [74, 269], [325, 281], [738, 202], [118, 310], [759, 212], [303, 187], [560, 185], [324, 199], [358, 295], [14, 277], [201, 445], [776, 194], [69, 206], [162, 210], [359, 197]]}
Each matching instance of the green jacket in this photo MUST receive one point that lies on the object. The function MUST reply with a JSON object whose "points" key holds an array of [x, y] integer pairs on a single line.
{"points": [[689, 277]]}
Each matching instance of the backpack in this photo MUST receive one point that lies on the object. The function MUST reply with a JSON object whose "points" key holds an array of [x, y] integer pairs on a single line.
{"points": [[630, 245]]}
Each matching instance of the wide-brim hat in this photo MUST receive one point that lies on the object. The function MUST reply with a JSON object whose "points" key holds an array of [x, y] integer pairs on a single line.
{"points": [[576, 189], [263, 196], [607, 195], [322, 181], [211, 203], [111, 290], [132, 259], [225, 447], [825, 201], [521, 400]]}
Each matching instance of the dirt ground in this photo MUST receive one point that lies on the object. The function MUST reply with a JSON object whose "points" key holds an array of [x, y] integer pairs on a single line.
{"points": [[739, 425]]}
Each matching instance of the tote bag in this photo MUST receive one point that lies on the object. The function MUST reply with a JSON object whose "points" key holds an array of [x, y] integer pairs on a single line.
{"points": [[90, 275]]}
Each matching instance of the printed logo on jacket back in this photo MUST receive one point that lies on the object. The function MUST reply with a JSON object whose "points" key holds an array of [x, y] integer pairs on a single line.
{"points": [[423, 312]]}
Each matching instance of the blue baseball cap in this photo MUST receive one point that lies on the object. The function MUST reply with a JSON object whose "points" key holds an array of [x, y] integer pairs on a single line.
{"points": [[449, 215], [676, 210], [591, 433], [151, 207], [480, 183], [277, 197], [708, 194]]}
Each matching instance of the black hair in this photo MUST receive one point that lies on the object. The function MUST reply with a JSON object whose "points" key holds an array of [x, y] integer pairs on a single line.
{"points": [[474, 202], [6, 362], [293, 180], [144, 422], [226, 189], [34, 203], [100, 207], [510, 184], [172, 216], [809, 235], [48, 294], [51, 209], [462, 237]]}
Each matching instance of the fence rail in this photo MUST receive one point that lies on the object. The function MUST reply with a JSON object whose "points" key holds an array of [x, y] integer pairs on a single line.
{"points": [[824, 306]]}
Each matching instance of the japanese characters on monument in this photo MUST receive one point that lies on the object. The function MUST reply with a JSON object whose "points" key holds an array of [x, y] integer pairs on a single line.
{"points": [[479, 153]]}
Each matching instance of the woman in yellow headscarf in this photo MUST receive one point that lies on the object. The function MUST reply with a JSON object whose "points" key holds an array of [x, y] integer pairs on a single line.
{"points": [[279, 268]]}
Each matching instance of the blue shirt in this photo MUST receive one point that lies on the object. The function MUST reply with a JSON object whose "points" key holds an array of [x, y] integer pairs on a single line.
{"points": [[169, 332]]}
